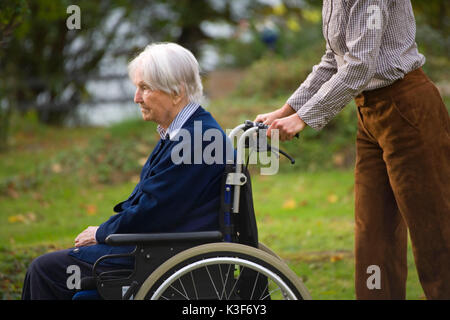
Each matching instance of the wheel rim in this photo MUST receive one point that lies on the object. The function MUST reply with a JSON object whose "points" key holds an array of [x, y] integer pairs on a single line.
{"points": [[220, 286]]}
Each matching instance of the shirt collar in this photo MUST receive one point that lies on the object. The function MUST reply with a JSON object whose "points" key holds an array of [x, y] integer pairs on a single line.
{"points": [[178, 122]]}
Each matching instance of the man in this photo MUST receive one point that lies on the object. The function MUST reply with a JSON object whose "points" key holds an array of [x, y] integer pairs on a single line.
{"points": [[170, 197], [402, 172]]}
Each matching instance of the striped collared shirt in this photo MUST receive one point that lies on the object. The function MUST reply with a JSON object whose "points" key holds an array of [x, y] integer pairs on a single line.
{"points": [[179, 121], [369, 45]]}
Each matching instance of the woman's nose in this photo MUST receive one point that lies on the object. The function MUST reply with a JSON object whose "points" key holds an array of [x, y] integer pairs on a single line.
{"points": [[138, 96]]}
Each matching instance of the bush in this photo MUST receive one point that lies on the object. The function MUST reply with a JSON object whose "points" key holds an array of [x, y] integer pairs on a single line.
{"points": [[272, 76]]}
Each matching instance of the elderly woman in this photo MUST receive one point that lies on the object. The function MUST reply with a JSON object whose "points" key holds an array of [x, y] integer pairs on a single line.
{"points": [[170, 197]]}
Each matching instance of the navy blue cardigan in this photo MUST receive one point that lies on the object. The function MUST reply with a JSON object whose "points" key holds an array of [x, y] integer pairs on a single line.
{"points": [[169, 197]]}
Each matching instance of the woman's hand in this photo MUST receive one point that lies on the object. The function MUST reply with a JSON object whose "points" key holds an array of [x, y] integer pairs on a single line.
{"points": [[87, 237]]}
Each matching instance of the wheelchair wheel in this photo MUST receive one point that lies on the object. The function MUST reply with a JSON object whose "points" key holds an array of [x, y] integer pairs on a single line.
{"points": [[263, 247], [223, 271]]}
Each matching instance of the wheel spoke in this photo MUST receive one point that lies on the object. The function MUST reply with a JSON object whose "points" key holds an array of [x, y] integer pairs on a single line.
{"points": [[212, 281], [254, 286], [193, 284], [265, 289], [270, 293], [232, 289], [225, 283], [186, 295], [171, 286]]}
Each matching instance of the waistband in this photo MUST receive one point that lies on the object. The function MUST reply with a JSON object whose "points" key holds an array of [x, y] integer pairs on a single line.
{"points": [[407, 83]]}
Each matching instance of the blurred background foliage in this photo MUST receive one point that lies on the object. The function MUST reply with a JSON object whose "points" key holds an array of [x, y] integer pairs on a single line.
{"points": [[254, 54], [269, 47]]}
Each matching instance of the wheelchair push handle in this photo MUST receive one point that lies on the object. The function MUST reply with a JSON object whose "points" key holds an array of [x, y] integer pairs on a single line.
{"points": [[261, 126]]}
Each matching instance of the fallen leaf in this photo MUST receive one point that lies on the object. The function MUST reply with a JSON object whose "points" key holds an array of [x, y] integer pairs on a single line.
{"points": [[31, 217], [335, 258], [332, 198], [16, 219], [91, 209], [56, 168], [339, 159], [22, 218], [12, 192], [290, 204]]}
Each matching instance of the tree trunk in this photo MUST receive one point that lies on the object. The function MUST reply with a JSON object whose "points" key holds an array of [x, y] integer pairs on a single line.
{"points": [[5, 116]]}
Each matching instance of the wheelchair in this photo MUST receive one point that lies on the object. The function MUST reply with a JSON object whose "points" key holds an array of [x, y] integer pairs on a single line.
{"points": [[228, 264]]}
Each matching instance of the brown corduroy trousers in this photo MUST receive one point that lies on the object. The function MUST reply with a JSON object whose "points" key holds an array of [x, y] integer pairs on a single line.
{"points": [[402, 183]]}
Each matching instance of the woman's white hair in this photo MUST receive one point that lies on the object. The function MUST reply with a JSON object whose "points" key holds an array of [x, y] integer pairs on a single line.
{"points": [[168, 67]]}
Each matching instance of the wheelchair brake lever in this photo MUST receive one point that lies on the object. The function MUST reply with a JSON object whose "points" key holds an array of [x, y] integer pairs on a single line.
{"points": [[278, 151], [262, 126], [292, 160]]}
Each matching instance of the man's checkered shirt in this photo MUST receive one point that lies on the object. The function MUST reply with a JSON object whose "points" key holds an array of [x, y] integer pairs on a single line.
{"points": [[369, 44]]}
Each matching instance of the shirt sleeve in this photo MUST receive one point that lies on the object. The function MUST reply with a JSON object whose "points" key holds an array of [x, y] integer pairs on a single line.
{"points": [[320, 74], [363, 39]]}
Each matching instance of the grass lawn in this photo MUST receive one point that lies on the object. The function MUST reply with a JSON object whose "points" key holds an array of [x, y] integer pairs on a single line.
{"points": [[307, 219]]}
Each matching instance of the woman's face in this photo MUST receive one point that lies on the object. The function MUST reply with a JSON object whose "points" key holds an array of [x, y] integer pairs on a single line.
{"points": [[155, 105]]}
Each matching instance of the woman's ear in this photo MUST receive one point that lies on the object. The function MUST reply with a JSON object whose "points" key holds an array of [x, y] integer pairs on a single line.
{"points": [[177, 98]]}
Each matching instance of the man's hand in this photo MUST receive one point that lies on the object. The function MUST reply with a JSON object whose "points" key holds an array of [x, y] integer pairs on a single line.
{"points": [[86, 238], [288, 127], [268, 118]]}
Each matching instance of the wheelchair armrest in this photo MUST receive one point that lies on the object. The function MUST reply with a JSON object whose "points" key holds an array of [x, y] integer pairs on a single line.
{"points": [[157, 238]]}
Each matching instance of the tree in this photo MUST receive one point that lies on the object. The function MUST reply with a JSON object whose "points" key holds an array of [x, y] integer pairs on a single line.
{"points": [[12, 13], [180, 20], [46, 65]]}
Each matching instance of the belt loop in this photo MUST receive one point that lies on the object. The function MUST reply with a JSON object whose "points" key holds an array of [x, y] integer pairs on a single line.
{"points": [[360, 100]]}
